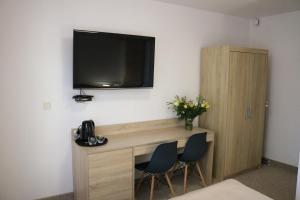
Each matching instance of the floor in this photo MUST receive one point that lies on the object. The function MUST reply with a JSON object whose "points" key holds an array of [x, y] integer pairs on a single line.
{"points": [[276, 182], [161, 190]]}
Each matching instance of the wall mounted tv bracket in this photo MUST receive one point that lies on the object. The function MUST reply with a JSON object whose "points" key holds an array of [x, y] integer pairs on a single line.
{"points": [[82, 97]]}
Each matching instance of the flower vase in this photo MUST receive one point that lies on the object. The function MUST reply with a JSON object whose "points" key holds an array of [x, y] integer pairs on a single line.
{"points": [[189, 123]]}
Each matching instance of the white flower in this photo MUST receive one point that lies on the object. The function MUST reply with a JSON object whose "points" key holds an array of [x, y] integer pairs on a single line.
{"points": [[185, 106], [176, 103]]}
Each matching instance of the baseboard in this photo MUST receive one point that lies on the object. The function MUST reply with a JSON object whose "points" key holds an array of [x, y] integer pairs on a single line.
{"points": [[66, 196], [271, 162]]}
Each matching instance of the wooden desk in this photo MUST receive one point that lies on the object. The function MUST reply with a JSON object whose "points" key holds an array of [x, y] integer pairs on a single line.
{"points": [[107, 172]]}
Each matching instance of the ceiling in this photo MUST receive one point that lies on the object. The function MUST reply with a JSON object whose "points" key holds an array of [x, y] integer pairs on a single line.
{"points": [[242, 8]]}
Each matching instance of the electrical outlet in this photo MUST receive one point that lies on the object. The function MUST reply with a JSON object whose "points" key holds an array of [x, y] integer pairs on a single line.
{"points": [[47, 106]]}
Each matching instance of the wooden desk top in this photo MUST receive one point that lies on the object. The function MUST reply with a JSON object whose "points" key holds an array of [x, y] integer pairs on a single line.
{"points": [[145, 137], [107, 172]]}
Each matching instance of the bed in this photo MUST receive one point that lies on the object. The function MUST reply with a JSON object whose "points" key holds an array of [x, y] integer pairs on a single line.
{"points": [[226, 190]]}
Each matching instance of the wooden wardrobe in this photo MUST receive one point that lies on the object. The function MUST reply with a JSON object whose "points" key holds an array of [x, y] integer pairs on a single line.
{"points": [[234, 81]]}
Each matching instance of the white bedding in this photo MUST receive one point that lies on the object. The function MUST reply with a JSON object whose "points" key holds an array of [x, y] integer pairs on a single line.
{"points": [[225, 190]]}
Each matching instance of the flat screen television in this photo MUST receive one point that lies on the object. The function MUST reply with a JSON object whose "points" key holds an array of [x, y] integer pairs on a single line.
{"points": [[110, 60]]}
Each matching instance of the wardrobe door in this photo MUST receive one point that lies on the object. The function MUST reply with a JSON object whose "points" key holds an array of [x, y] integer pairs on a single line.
{"points": [[256, 112], [238, 146]]}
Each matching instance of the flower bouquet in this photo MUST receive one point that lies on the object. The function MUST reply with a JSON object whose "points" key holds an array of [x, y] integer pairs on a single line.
{"points": [[188, 109]]}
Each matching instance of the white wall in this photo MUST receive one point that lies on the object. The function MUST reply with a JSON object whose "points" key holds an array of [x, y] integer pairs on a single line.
{"points": [[281, 35], [36, 67]]}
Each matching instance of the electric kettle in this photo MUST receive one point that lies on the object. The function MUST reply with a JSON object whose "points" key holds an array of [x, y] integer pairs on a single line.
{"points": [[87, 130]]}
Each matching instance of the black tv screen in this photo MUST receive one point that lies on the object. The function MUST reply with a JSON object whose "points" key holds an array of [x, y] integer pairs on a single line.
{"points": [[110, 60]]}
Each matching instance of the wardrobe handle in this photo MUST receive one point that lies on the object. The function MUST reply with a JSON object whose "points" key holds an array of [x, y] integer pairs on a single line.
{"points": [[250, 111], [267, 104], [246, 114]]}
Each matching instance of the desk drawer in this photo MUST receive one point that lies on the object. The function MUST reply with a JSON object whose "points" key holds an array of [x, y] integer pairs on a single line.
{"points": [[149, 148], [110, 175]]}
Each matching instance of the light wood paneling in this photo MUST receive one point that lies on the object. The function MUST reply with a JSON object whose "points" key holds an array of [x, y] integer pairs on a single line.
{"points": [[106, 172], [248, 81], [214, 87], [207, 163], [238, 134], [257, 97], [248, 50], [149, 148], [233, 80], [117, 129], [145, 137], [110, 175], [80, 175]]}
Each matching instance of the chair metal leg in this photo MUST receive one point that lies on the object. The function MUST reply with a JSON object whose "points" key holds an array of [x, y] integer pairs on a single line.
{"points": [[200, 173], [169, 183], [140, 183], [185, 178], [152, 187]]}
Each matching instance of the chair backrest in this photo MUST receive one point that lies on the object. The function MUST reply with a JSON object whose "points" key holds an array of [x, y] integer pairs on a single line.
{"points": [[163, 158], [195, 147]]}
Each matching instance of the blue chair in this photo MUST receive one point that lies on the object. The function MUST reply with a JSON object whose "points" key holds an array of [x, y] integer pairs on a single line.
{"points": [[194, 150], [162, 160]]}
